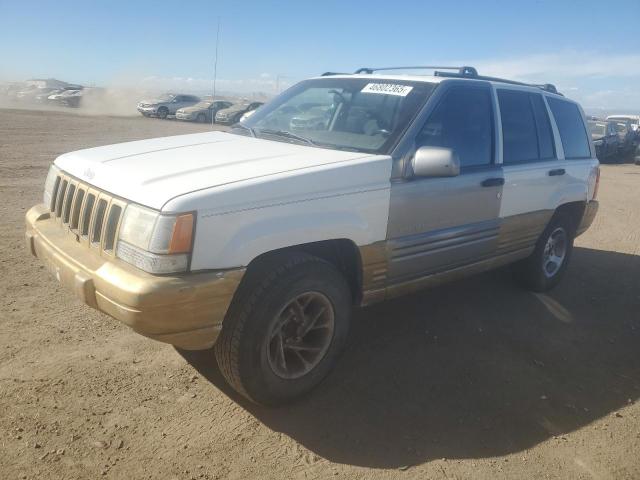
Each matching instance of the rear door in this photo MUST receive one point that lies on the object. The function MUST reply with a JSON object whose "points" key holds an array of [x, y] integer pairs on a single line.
{"points": [[546, 158], [440, 224], [534, 173]]}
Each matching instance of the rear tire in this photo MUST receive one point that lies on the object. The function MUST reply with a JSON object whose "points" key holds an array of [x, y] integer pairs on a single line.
{"points": [[545, 267], [285, 328]]}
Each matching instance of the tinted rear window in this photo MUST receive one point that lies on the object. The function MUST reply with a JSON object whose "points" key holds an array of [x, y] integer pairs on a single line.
{"points": [[571, 128], [519, 137], [545, 134]]}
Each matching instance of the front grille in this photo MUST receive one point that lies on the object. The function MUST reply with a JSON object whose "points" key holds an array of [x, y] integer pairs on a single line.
{"points": [[90, 215]]}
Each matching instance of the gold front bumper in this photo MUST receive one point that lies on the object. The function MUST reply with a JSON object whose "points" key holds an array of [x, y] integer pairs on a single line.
{"points": [[185, 310]]}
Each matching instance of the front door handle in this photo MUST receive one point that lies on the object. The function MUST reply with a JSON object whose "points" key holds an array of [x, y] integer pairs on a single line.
{"points": [[557, 171], [493, 182]]}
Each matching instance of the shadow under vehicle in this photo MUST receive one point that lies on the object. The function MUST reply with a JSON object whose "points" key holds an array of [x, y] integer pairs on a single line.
{"points": [[429, 376]]}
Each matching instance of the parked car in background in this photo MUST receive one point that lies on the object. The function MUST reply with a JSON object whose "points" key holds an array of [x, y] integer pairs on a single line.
{"points": [[605, 139], [203, 111], [633, 119], [234, 113], [165, 105], [72, 98], [637, 157], [61, 97], [627, 136], [43, 97]]}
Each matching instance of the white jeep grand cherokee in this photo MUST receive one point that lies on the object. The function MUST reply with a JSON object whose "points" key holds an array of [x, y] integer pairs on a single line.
{"points": [[260, 241]]}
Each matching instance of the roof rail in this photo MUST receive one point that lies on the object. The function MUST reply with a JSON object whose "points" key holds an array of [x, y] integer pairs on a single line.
{"points": [[464, 70], [547, 87], [329, 74]]}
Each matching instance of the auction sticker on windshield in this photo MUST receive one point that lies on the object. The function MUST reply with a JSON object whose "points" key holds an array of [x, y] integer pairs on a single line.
{"points": [[387, 89]]}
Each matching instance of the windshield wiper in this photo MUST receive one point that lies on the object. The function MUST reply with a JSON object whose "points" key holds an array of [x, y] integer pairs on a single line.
{"points": [[249, 129], [287, 134]]}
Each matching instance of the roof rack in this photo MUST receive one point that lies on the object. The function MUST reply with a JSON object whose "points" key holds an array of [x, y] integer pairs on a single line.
{"points": [[547, 87], [329, 74], [467, 71], [458, 72]]}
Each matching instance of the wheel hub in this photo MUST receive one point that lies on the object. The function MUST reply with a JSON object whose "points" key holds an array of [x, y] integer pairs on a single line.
{"points": [[300, 335], [555, 251]]}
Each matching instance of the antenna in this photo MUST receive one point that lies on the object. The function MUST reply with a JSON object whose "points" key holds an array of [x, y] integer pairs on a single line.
{"points": [[215, 70]]}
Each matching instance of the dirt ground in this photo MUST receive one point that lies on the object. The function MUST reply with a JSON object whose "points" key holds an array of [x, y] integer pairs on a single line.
{"points": [[476, 379]]}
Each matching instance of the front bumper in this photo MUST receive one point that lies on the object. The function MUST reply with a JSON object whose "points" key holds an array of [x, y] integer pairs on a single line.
{"points": [[185, 310], [590, 212]]}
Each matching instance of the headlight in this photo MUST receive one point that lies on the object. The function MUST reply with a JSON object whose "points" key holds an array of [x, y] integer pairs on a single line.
{"points": [[155, 242], [49, 185]]}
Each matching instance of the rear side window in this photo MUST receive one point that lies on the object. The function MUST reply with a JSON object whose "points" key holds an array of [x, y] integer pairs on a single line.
{"points": [[526, 132], [545, 134], [462, 121], [519, 136], [571, 128]]}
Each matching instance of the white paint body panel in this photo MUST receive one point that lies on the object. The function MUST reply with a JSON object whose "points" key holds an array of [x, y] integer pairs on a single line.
{"points": [[529, 188], [251, 195], [152, 172]]}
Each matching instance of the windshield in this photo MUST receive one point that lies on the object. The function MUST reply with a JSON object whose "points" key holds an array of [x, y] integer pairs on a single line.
{"points": [[598, 129], [360, 114]]}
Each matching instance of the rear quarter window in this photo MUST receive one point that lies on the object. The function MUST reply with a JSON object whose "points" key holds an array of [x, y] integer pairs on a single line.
{"points": [[571, 127]]}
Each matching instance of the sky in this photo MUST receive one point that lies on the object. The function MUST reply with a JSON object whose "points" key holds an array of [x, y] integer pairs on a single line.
{"points": [[590, 50]]}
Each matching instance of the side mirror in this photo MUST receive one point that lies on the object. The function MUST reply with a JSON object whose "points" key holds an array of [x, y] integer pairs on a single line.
{"points": [[435, 162]]}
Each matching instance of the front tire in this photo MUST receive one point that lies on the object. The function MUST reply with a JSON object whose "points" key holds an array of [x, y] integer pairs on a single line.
{"points": [[285, 328], [201, 118], [163, 112], [545, 267]]}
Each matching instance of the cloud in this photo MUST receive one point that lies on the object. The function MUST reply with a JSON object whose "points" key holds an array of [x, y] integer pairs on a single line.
{"points": [[596, 80], [565, 64]]}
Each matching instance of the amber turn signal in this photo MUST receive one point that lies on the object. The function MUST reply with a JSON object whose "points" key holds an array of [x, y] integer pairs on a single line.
{"points": [[182, 236]]}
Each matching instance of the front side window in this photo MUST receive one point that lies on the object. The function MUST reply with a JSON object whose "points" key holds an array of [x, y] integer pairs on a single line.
{"points": [[571, 127], [462, 121], [356, 114]]}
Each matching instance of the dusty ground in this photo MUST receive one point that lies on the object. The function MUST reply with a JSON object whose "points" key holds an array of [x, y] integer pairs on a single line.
{"points": [[476, 379]]}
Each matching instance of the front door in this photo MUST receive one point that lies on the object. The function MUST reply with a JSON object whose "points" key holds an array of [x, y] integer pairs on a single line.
{"points": [[440, 224]]}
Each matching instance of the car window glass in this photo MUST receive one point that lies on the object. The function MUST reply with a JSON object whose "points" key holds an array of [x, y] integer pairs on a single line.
{"points": [[463, 122], [571, 127], [545, 134], [519, 137]]}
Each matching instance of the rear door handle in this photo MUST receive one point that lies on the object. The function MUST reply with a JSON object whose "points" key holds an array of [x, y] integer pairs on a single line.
{"points": [[493, 182], [557, 171]]}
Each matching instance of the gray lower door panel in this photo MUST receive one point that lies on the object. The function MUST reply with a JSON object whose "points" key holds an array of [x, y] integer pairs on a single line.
{"points": [[440, 250], [437, 224]]}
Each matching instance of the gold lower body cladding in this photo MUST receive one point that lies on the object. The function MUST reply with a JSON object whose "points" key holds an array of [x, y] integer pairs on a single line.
{"points": [[185, 310]]}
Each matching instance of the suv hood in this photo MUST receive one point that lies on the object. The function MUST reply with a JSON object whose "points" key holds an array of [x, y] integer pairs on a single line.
{"points": [[152, 172]]}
